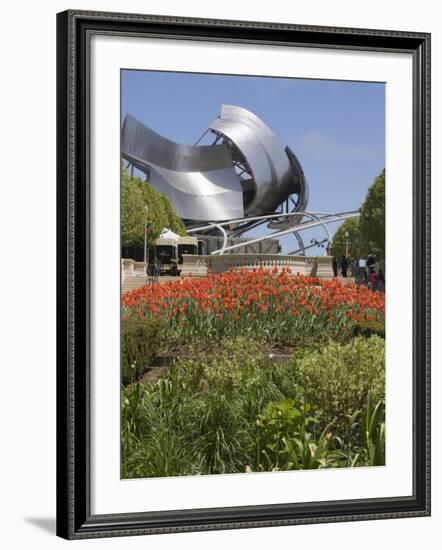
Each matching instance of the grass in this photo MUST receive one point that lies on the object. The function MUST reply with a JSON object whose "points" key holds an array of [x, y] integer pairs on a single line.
{"points": [[228, 410]]}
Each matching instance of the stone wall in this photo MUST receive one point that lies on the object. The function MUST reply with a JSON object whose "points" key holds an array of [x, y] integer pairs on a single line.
{"points": [[197, 266], [304, 265]]}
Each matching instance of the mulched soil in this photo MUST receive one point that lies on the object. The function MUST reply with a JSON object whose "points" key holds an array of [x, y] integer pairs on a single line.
{"points": [[162, 362]]}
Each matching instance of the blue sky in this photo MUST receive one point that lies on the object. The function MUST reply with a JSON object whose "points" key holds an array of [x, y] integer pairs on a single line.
{"points": [[335, 128]]}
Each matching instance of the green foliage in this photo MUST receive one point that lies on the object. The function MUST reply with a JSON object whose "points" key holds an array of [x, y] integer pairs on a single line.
{"points": [[373, 431], [132, 213], [368, 328], [338, 246], [135, 193], [285, 439], [372, 218], [231, 410], [367, 233], [337, 378], [139, 344], [173, 221], [131, 408], [156, 443]]}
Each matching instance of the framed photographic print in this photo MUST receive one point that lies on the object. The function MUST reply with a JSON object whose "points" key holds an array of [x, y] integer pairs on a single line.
{"points": [[243, 274]]}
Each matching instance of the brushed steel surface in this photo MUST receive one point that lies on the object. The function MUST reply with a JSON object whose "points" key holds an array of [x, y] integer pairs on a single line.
{"points": [[201, 181], [275, 177]]}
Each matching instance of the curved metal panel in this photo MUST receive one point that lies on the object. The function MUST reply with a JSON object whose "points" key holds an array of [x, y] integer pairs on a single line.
{"points": [[200, 181], [273, 174], [302, 190], [143, 144], [204, 200]]}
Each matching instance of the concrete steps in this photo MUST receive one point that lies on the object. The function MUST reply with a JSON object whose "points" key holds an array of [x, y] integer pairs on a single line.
{"points": [[132, 282]]}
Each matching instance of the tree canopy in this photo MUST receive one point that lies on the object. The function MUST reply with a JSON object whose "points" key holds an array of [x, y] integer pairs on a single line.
{"points": [[372, 219], [135, 194], [367, 233], [338, 246]]}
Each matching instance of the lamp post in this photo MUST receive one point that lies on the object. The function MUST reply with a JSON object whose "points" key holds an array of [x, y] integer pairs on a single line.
{"points": [[146, 210], [320, 244], [346, 235]]}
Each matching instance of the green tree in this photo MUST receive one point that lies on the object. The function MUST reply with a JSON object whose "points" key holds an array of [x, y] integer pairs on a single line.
{"points": [[135, 193], [372, 219], [338, 246], [132, 212], [175, 223], [366, 233]]}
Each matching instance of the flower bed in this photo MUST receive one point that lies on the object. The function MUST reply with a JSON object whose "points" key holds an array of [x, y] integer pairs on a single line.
{"points": [[229, 411], [271, 305]]}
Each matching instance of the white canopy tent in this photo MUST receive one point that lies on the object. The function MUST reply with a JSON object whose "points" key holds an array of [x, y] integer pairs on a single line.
{"points": [[169, 234]]}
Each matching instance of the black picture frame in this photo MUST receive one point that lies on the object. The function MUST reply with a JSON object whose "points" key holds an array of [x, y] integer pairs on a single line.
{"points": [[74, 518]]}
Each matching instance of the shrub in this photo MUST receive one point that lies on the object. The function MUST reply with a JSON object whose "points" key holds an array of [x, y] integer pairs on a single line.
{"points": [[337, 378], [368, 328], [200, 417], [139, 344], [229, 409], [286, 439], [373, 432]]}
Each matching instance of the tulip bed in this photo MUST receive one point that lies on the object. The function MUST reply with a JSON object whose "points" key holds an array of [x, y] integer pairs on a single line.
{"points": [[266, 305], [225, 406]]}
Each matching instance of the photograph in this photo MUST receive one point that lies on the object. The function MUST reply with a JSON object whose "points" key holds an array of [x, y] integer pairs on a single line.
{"points": [[253, 274], [243, 274], [228, 212]]}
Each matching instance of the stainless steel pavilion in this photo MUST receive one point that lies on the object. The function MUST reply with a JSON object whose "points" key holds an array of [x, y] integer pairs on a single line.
{"points": [[243, 179], [245, 172]]}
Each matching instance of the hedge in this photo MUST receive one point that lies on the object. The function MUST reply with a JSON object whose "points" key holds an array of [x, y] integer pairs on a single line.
{"points": [[139, 344]]}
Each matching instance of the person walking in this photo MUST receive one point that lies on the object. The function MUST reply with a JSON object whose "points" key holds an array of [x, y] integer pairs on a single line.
{"points": [[373, 280], [381, 280], [362, 269], [344, 266], [335, 266], [371, 260]]}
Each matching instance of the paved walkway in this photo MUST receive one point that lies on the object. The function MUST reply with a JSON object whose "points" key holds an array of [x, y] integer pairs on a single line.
{"points": [[137, 281]]}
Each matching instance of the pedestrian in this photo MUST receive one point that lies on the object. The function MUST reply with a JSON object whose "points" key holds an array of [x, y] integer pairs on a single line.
{"points": [[381, 280], [344, 266], [362, 268], [335, 266], [371, 260], [373, 280]]}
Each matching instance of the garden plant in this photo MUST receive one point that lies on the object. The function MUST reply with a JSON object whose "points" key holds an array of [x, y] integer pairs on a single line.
{"points": [[224, 404]]}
